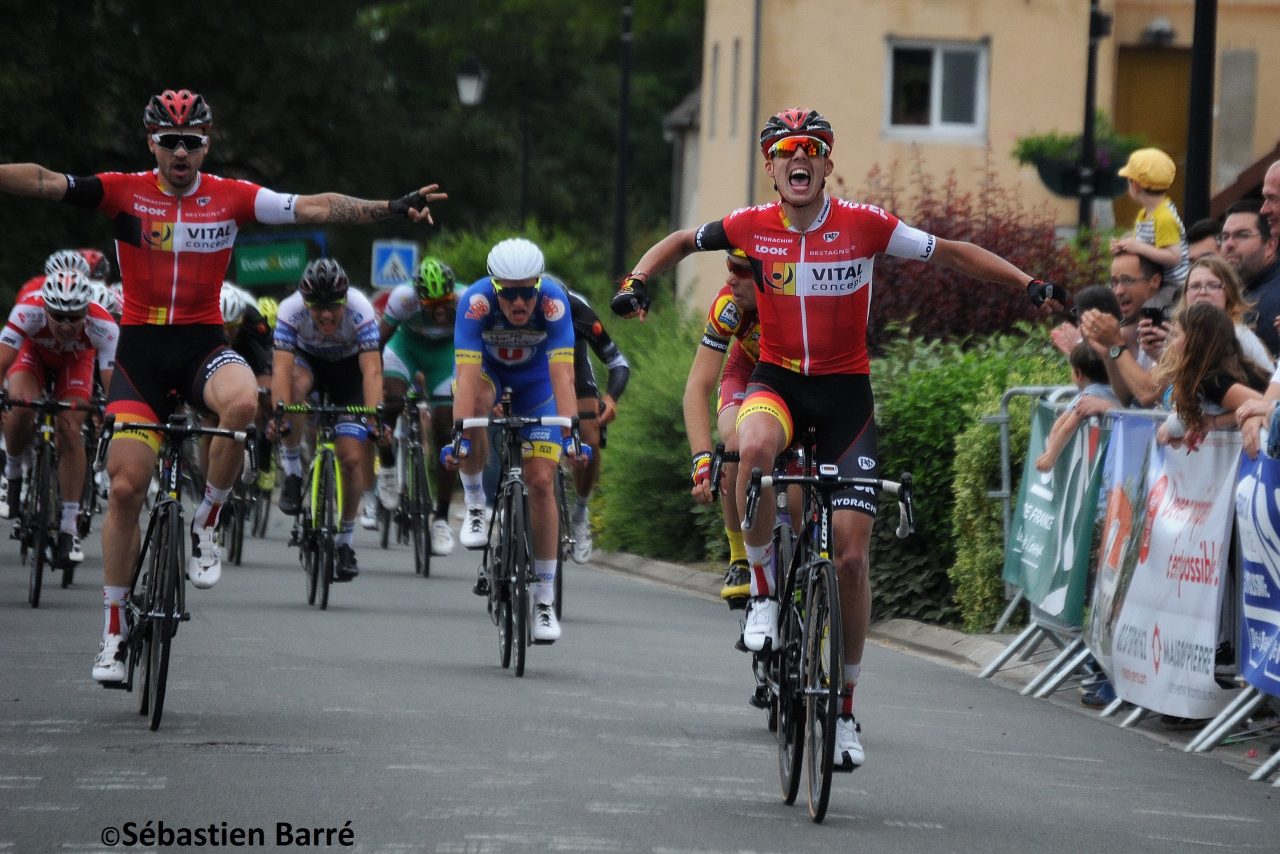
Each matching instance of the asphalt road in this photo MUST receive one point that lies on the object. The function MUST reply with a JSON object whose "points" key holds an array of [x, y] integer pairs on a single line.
{"points": [[388, 716]]}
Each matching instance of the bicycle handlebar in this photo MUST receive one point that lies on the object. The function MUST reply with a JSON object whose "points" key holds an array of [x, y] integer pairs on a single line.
{"points": [[49, 404], [514, 421], [828, 483], [177, 428]]}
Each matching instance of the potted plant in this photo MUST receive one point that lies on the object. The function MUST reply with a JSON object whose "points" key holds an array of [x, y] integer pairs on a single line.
{"points": [[1056, 157]]}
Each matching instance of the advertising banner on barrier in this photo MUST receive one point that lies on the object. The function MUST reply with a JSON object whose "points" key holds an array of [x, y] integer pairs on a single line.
{"points": [[1124, 486], [1049, 544], [1167, 633], [1258, 523]]}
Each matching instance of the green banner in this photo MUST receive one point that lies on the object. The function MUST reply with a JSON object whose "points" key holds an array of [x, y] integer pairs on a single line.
{"points": [[270, 263], [1049, 547]]}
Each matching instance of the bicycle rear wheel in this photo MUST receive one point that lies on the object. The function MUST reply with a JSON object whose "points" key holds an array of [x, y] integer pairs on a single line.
{"points": [[419, 508], [823, 675], [566, 538], [235, 523], [163, 616], [789, 700], [45, 489], [261, 511], [309, 554]]}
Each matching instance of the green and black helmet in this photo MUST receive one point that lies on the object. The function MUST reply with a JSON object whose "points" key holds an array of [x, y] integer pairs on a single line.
{"points": [[435, 280]]}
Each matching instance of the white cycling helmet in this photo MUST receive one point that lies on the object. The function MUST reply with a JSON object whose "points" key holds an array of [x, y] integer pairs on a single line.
{"points": [[104, 296], [67, 259], [514, 259], [67, 291], [234, 302]]}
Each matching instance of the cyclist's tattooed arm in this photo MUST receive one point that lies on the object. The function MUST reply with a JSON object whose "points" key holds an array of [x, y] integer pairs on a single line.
{"points": [[337, 209]]}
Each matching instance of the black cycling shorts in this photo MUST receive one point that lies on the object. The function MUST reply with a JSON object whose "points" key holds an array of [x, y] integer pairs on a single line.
{"points": [[152, 361], [841, 410], [341, 378]]}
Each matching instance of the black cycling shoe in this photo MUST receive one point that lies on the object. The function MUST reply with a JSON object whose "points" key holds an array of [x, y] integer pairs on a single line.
{"points": [[761, 699], [291, 495], [481, 587], [345, 569]]}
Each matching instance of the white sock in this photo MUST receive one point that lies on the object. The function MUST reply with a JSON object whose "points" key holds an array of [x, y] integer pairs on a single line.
{"points": [[113, 612], [70, 510], [291, 460], [544, 592], [472, 488], [12, 466], [762, 577]]}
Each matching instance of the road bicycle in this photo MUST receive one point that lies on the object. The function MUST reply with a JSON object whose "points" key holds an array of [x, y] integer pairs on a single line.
{"points": [[804, 674], [412, 517], [40, 514], [507, 562], [156, 602], [315, 528]]}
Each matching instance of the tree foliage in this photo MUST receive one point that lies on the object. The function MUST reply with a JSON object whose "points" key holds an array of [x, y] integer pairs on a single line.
{"points": [[353, 97]]}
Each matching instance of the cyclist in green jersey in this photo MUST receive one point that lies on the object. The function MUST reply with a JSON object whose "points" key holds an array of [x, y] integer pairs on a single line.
{"points": [[417, 336]]}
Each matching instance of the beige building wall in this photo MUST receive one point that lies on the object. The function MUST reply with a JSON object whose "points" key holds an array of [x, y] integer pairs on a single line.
{"points": [[833, 55]]}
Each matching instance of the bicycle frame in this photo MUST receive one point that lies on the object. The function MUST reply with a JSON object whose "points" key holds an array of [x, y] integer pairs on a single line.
{"points": [[157, 590]]}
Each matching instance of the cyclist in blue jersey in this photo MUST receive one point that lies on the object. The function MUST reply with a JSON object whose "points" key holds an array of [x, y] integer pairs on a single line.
{"points": [[514, 331]]}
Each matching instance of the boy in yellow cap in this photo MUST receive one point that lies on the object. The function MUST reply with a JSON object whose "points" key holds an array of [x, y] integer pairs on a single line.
{"points": [[1158, 233]]}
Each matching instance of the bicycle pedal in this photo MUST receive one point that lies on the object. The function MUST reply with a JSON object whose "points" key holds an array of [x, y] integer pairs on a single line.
{"points": [[737, 603], [122, 685], [537, 642], [760, 699]]}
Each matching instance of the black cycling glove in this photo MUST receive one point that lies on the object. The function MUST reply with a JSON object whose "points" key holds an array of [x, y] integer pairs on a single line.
{"points": [[1041, 292], [632, 296]]}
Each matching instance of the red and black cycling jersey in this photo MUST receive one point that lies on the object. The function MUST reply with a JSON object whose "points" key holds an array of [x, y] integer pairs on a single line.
{"points": [[173, 249], [814, 286]]}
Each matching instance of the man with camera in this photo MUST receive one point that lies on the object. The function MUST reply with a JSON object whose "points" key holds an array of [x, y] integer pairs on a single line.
{"points": [[1137, 283]]}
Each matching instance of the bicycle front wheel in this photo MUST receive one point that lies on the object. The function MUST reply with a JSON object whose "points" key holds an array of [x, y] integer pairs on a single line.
{"points": [[419, 508], [45, 489], [789, 700], [823, 675], [326, 516], [163, 616], [517, 570]]}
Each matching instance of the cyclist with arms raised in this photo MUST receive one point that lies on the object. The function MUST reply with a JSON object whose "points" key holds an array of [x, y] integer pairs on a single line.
{"points": [[57, 331], [812, 258], [417, 334], [514, 331], [175, 227]]}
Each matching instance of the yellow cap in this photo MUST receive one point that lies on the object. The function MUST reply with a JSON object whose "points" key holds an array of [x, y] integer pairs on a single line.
{"points": [[1151, 168], [738, 257]]}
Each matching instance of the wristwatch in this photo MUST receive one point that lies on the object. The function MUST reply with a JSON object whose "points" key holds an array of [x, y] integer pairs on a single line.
{"points": [[1115, 351]]}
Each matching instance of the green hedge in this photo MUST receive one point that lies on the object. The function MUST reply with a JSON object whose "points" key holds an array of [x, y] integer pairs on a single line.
{"points": [[643, 504], [977, 520]]}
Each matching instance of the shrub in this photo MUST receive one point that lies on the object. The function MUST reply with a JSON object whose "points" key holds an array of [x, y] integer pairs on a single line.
{"points": [[925, 396], [929, 301], [977, 521], [644, 504]]}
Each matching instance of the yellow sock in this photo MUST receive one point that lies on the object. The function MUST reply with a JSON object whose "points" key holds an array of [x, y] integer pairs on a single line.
{"points": [[737, 548]]}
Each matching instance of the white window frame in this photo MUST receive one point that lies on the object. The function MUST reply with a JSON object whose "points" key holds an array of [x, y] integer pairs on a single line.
{"points": [[938, 130]]}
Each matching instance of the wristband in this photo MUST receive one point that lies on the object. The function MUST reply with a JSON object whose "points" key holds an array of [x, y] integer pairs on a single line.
{"points": [[701, 467], [462, 450]]}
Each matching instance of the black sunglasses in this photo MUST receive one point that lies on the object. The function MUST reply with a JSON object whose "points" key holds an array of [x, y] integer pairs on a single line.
{"points": [[510, 293], [68, 319], [171, 141]]}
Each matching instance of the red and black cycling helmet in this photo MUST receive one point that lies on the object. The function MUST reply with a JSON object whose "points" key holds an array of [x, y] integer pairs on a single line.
{"points": [[796, 121], [99, 263], [171, 109], [324, 282]]}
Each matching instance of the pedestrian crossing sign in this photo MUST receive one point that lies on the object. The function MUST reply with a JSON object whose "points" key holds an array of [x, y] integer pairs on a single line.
{"points": [[394, 263]]}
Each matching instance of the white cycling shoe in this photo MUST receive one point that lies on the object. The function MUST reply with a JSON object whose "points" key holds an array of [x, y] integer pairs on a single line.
{"points": [[761, 629], [204, 566], [848, 745], [546, 628], [108, 666]]}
